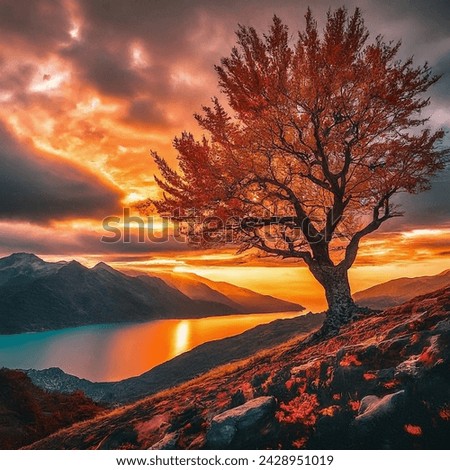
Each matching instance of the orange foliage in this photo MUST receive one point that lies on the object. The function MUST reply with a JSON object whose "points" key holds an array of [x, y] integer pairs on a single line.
{"points": [[222, 398], [354, 404], [292, 381], [247, 390], [391, 384], [369, 376], [299, 443], [350, 360], [415, 338], [444, 413], [299, 410], [428, 356], [30, 413], [330, 410], [413, 430]]}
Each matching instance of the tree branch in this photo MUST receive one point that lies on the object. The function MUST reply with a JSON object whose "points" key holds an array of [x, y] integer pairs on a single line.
{"points": [[352, 248]]}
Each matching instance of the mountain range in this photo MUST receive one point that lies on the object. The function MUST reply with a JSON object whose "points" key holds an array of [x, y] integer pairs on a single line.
{"points": [[36, 295], [397, 291]]}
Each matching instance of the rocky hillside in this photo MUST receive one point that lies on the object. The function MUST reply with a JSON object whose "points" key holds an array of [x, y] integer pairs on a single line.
{"points": [[383, 383], [36, 295], [27, 413], [398, 291]]}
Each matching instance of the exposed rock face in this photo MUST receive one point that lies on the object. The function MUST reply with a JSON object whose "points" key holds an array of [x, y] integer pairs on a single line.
{"points": [[377, 417], [236, 427]]}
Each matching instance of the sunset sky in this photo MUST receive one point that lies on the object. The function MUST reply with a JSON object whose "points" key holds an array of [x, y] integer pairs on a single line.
{"points": [[89, 87]]}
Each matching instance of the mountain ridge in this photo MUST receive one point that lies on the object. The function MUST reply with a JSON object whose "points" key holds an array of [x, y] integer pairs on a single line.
{"points": [[397, 291], [36, 295]]}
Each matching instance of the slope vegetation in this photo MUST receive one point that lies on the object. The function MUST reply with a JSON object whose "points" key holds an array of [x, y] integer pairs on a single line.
{"points": [[27, 413]]}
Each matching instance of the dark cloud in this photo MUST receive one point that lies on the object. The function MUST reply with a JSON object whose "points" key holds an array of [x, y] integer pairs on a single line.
{"points": [[38, 188], [425, 210], [39, 25], [145, 110], [195, 33], [159, 23], [17, 78], [433, 17], [45, 240], [107, 71], [184, 35], [199, 32], [442, 67]]}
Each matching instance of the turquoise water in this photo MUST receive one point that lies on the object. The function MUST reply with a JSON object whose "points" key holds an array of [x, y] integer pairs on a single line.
{"points": [[117, 351]]}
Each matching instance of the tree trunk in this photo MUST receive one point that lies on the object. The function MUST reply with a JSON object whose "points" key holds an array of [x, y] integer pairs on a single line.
{"points": [[341, 307]]}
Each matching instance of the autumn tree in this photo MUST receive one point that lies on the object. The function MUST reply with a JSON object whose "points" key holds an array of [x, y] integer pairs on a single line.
{"points": [[318, 134]]}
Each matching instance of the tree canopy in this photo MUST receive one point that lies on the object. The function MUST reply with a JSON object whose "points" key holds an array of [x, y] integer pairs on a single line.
{"points": [[316, 136]]}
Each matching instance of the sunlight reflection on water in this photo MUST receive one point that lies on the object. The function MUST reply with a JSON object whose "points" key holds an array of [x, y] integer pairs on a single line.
{"points": [[116, 351]]}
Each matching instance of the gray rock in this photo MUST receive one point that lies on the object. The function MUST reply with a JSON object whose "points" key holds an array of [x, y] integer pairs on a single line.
{"points": [[373, 408], [233, 425], [168, 442], [414, 366]]}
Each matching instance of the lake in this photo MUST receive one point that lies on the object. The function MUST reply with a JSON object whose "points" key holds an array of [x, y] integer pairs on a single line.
{"points": [[117, 351]]}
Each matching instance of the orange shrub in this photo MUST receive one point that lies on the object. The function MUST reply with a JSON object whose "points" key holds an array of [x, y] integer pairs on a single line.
{"points": [[413, 430], [350, 360], [299, 410]]}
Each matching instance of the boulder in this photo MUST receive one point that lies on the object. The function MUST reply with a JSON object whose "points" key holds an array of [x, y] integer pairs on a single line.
{"points": [[234, 426], [373, 409], [379, 422]]}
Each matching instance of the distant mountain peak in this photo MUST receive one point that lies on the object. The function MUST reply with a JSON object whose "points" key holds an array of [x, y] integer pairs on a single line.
{"points": [[73, 266], [397, 291], [37, 295], [22, 258], [24, 255], [104, 267]]}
